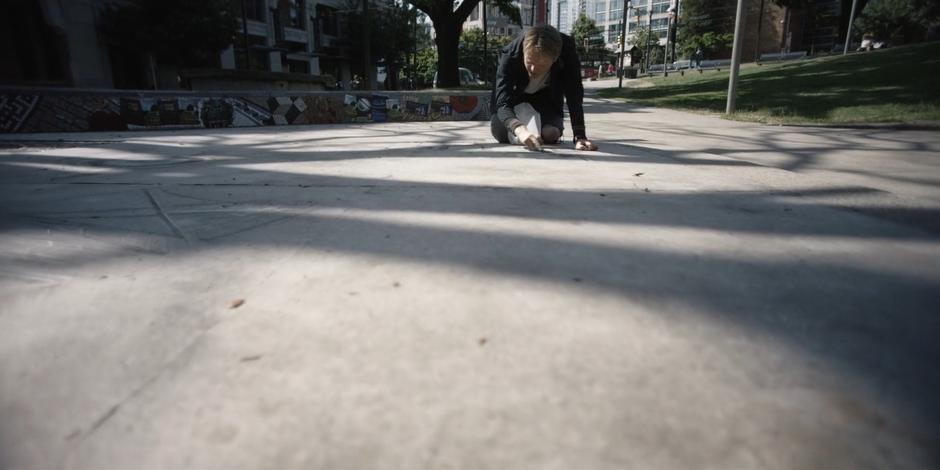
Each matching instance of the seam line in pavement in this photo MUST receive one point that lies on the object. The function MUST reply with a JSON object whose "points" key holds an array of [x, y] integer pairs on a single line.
{"points": [[166, 218]]}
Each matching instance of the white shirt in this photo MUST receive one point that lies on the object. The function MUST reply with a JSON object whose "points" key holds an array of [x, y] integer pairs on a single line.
{"points": [[537, 83]]}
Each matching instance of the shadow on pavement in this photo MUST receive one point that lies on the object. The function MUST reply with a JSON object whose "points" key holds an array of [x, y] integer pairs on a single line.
{"points": [[874, 324]]}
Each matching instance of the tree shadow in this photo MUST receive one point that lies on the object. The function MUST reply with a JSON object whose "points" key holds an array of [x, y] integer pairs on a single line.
{"points": [[877, 325]]}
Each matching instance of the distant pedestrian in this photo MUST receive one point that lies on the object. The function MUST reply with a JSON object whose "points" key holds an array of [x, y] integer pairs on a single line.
{"points": [[697, 57]]}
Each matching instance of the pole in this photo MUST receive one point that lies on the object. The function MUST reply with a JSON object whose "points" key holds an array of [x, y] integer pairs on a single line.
{"points": [[666, 48], [486, 61], [736, 56], [675, 32], [642, 62], [670, 17], [848, 32], [245, 35], [649, 34], [623, 38], [153, 71], [760, 23], [366, 49]]}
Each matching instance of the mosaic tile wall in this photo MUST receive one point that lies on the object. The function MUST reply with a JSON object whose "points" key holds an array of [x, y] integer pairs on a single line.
{"points": [[22, 113]]}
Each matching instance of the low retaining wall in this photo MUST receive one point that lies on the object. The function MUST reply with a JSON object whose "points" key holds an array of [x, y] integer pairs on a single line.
{"points": [[70, 110]]}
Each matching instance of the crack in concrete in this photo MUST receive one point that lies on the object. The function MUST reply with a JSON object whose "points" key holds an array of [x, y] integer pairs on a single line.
{"points": [[169, 222]]}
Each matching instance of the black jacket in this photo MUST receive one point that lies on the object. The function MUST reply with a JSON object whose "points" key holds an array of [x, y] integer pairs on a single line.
{"points": [[564, 84]]}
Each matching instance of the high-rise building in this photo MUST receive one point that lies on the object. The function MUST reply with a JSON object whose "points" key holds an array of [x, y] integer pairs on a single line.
{"points": [[608, 16]]}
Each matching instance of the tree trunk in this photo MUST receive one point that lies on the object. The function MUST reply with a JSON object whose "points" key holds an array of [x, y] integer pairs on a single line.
{"points": [[391, 75], [448, 24], [448, 49]]}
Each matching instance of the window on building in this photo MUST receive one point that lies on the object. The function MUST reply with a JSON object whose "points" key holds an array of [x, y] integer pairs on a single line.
{"points": [[600, 12], [660, 7], [658, 23], [298, 66], [295, 14], [326, 17], [254, 9], [562, 17], [255, 57], [613, 32], [616, 14]]}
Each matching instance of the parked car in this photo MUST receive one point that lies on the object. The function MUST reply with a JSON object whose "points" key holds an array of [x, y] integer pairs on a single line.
{"points": [[466, 78]]}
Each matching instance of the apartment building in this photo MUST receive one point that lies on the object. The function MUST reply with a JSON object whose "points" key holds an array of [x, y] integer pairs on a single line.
{"points": [[286, 44], [304, 37]]}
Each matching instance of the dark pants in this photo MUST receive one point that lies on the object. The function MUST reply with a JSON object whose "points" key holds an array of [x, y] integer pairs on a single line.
{"points": [[539, 101]]}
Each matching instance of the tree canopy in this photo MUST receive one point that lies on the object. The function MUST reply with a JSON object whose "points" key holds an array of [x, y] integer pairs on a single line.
{"points": [[897, 21], [180, 32], [708, 24], [471, 52], [588, 39], [639, 38], [391, 35]]}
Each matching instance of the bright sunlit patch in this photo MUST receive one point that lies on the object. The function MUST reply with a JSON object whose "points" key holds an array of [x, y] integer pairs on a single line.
{"points": [[96, 154], [64, 167]]}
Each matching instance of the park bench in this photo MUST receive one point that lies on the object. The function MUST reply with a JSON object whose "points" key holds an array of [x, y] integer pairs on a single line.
{"points": [[682, 65], [780, 56]]}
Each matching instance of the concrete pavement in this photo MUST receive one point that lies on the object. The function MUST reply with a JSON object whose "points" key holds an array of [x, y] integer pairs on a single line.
{"points": [[699, 293]]}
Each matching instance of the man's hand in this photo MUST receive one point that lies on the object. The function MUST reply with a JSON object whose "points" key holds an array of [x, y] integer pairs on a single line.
{"points": [[584, 144], [530, 140]]}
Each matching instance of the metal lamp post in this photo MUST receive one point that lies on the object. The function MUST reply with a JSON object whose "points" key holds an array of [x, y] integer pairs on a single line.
{"points": [[848, 32]]}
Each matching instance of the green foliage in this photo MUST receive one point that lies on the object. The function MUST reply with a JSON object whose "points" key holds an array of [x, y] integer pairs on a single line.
{"points": [[391, 30], [583, 29], [889, 85], [708, 24], [181, 32], [639, 38], [656, 54], [588, 39], [713, 45], [391, 35], [448, 17], [898, 21], [426, 65], [471, 51]]}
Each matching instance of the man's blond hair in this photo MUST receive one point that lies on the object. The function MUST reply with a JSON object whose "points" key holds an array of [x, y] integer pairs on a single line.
{"points": [[543, 40]]}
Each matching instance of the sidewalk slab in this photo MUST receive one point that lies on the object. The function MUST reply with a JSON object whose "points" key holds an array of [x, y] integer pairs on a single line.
{"points": [[698, 293]]}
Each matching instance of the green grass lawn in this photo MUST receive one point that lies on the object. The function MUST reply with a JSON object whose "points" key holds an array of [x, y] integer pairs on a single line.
{"points": [[897, 85]]}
